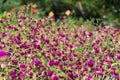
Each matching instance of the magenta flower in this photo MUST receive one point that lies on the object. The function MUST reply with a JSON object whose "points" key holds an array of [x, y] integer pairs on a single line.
{"points": [[51, 62], [75, 75], [90, 34], [15, 61], [64, 58], [22, 66], [54, 77], [56, 63], [59, 53], [3, 55], [118, 57], [22, 75], [13, 74], [49, 73], [39, 73], [31, 74], [91, 63], [70, 74]]}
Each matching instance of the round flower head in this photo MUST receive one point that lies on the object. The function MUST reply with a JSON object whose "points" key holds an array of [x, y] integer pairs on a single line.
{"points": [[118, 57], [3, 55], [67, 12], [91, 63], [8, 15], [51, 14], [22, 66], [54, 77]]}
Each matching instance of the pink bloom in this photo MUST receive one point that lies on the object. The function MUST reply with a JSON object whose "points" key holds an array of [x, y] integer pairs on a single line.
{"points": [[3, 55]]}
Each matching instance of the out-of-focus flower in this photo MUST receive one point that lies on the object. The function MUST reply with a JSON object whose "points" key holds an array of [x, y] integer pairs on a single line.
{"points": [[3, 55], [35, 11], [39, 73], [91, 63], [90, 34], [34, 6], [21, 75], [118, 57], [13, 74], [3, 65], [22, 66], [12, 9], [64, 58], [23, 8], [54, 77], [51, 14], [49, 73], [31, 74], [8, 15], [67, 12]]}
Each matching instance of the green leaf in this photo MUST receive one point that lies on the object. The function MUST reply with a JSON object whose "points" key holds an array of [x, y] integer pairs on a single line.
{"points": [[61, 74]]}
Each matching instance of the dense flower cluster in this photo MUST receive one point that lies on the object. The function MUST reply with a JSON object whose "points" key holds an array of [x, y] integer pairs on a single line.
{"points": [[40, 51]]}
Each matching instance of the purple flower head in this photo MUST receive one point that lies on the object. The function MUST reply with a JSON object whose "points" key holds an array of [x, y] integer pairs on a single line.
{"points": [[37, 46], [39, 73], [54, 77], [75, 75], [91, 63], [46, 40], [75, 54], [96, 50], [51, 62], [111, 55], [90, 34], [70, 74], [4, 34], [37, 62], [64, 58], [15, 61], [22, 74], [76, 35], [97, 41], [56, 63], [1, 21], [22, 65], [104, 49], [24, 45], [3, 55], [31, 74], [13, 74], [62, 35], [71, 59], [49, 73], [118, 57], [59, 53], [30, 67], [18, 41]]}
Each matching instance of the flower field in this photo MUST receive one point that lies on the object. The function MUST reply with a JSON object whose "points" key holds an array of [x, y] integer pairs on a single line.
{"points": [[38, 49]]}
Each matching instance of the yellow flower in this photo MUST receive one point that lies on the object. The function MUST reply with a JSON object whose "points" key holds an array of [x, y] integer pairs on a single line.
{"points": [[51, 14], [67, 12]]}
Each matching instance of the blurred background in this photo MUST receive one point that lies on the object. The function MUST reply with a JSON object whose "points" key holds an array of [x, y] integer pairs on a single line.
{"points": [[105, 11]]}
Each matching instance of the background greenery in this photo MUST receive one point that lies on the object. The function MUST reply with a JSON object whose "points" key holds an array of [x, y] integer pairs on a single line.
{"points": [[108, 11]]}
